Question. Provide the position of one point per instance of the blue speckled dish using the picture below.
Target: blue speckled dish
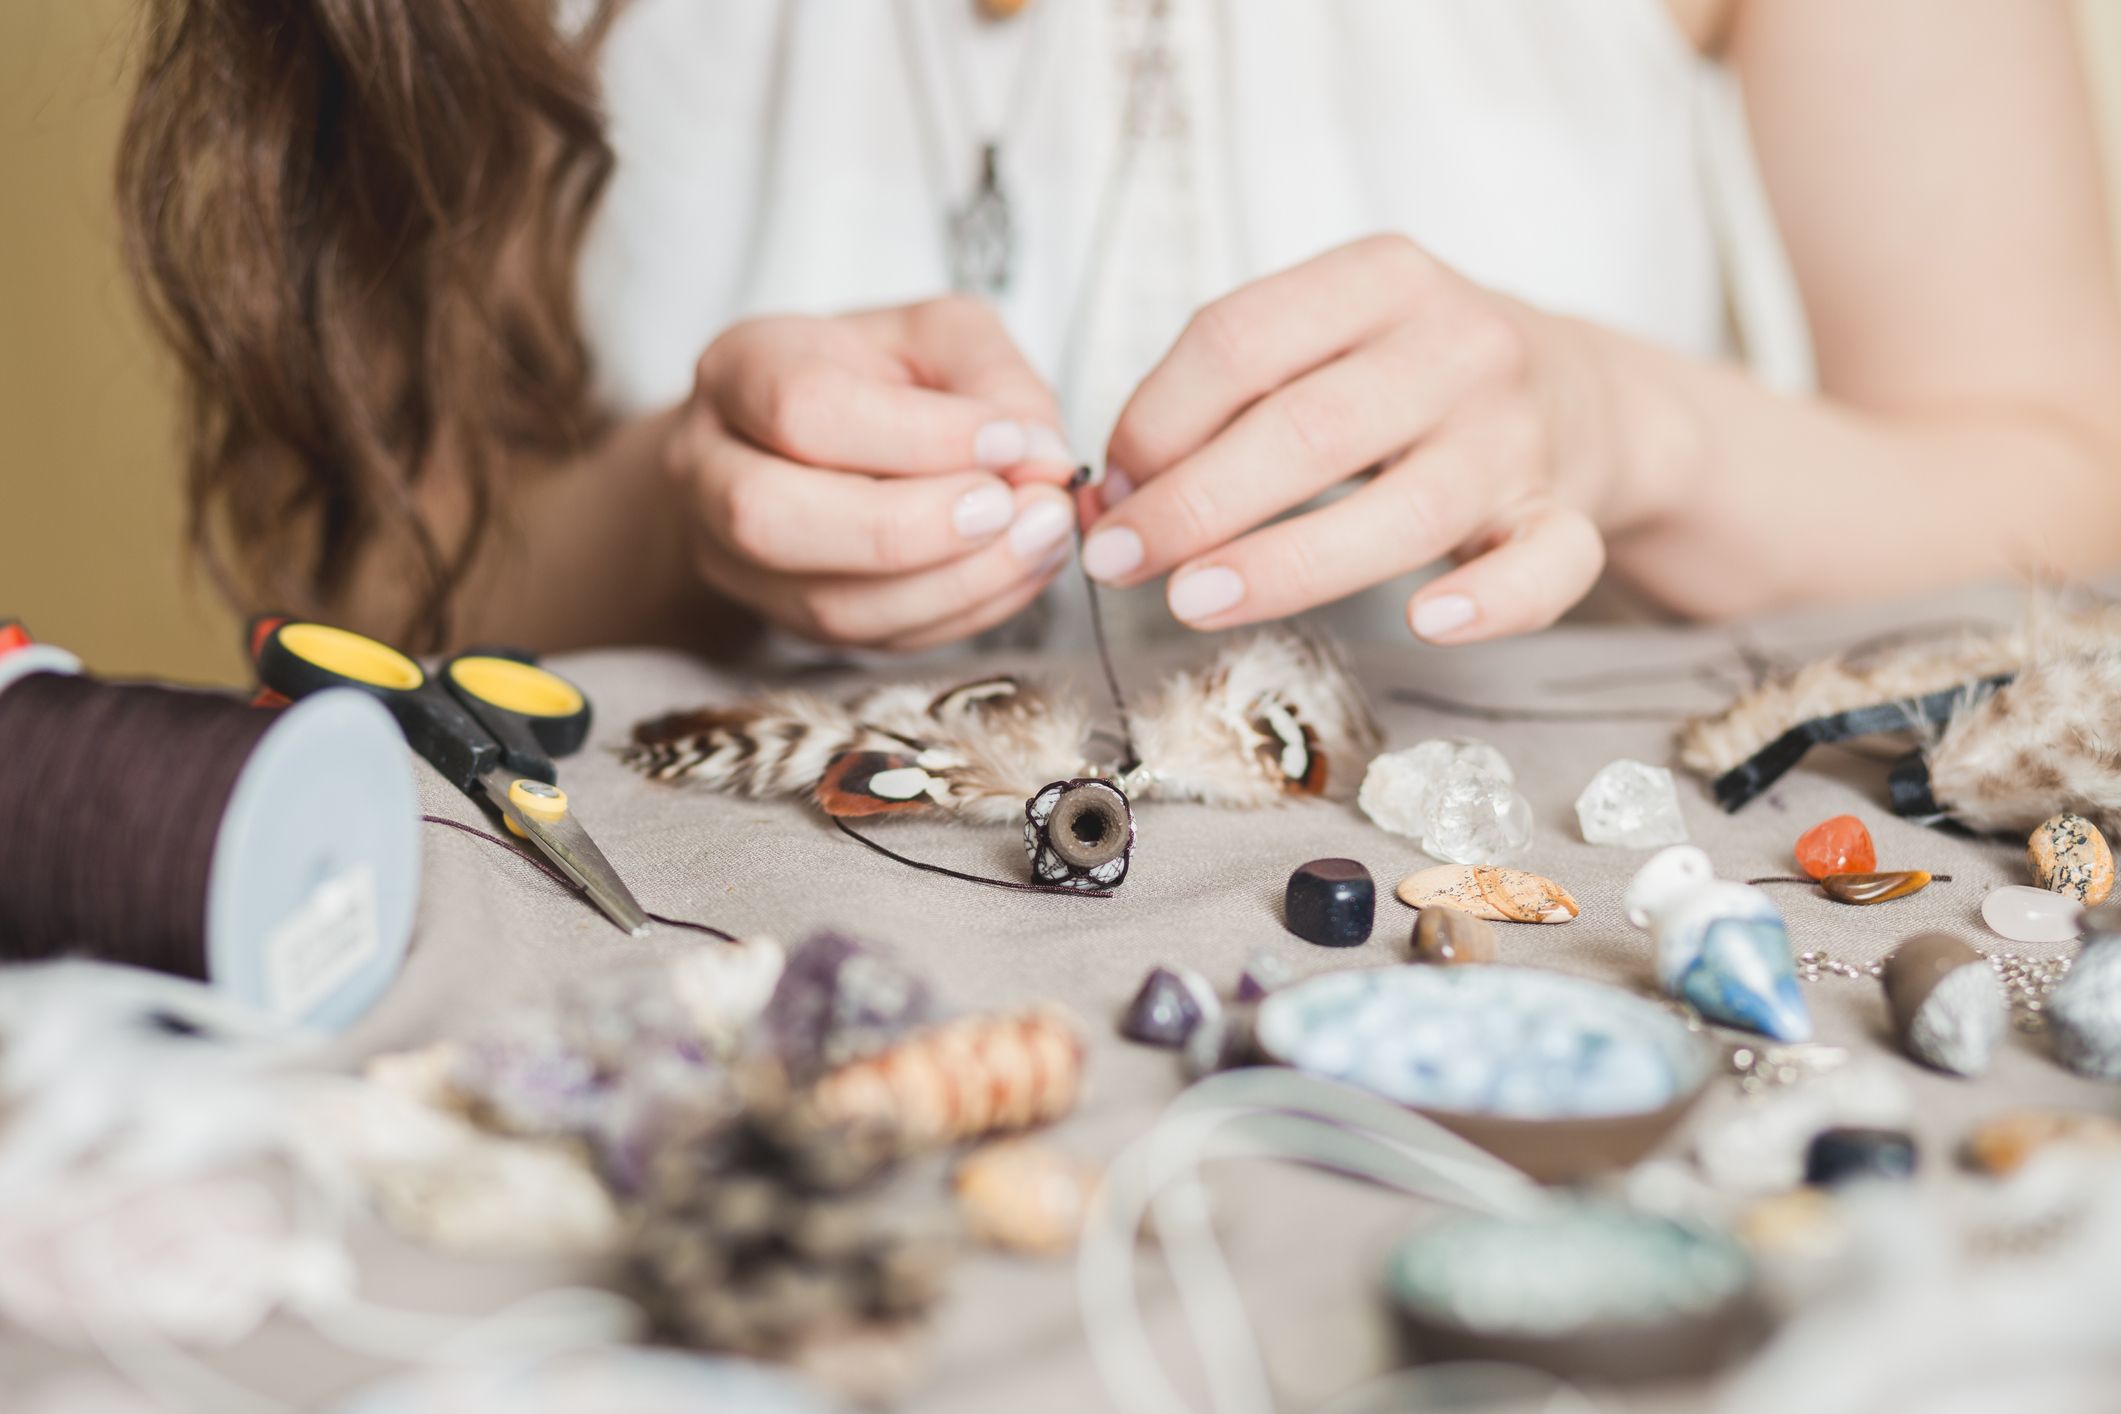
(1558, 1075)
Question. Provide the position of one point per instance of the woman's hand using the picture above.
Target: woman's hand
(845, 474)
(1491, 427)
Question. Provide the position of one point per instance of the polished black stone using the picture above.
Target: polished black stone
(1331, 902)
(1165, 1012)
(1839, 1156)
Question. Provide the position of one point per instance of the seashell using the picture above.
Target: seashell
(967, 1078)
(2069, 856)
(1874, 888)
(1485, 891)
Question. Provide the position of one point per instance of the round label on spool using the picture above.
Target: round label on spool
(316, 866)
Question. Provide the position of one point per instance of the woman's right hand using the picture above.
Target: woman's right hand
(846, 474)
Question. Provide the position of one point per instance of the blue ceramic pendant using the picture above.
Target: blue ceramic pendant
(1743, 977)
(1721, 946)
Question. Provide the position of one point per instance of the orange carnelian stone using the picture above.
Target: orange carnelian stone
(1837, 846)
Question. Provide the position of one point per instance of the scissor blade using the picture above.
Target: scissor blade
(576, 855)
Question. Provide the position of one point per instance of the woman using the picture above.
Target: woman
(1470, 266)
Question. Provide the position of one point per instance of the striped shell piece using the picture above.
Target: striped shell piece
(975, 1076)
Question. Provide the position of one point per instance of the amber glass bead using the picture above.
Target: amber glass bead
(1837, 846)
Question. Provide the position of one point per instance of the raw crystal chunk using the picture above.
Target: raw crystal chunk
(1476, 817)
(1264, 972)
(2084, 1013)
(1837, 846)
(1633, 805)
(1167, 1008)
(1395, 790)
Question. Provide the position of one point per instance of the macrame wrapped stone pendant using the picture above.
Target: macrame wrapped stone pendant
(1079, 834)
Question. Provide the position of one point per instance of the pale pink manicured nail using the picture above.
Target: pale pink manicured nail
(1043, 444)
(1039, 527)
(981, 513)
(999, 444)
(1059, 556)
(1116, 487)
(1112, 553)
(1446, 613)
(1204, 593)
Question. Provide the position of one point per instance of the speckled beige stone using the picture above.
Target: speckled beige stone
(2069, 855)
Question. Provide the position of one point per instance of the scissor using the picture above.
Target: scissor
(491, 723)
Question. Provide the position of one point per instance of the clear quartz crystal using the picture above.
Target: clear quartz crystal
(1632, 805)
(1475, 816)
(1397, 789)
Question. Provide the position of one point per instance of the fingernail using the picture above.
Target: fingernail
(1112, 553)
(1039, 527)
(1000, 443)
(980, 513)
(1446, 613)
(1204, 593)
(1116, 487)
(1060, 556)
(1043, 444)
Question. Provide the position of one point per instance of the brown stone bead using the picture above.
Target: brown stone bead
(2069, 855)
(1446, 935)
(1875, 888)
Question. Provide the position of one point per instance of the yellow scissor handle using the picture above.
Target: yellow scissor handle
(537, 801)
(351, 655)
(517, 687)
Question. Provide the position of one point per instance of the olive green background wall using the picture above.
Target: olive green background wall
(90, 514)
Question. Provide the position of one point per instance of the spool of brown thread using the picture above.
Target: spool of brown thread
(271, 854)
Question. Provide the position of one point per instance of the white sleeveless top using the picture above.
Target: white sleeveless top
(799, 155)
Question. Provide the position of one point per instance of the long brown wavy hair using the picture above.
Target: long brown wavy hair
(355, 221)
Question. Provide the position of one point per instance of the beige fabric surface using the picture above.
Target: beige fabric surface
(1205, 892)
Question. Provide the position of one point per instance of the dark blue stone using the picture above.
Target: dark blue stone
(1331, 902)
(1842, 1155)
(1165, 1012)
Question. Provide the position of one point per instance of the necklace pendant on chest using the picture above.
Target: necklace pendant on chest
(982, 233)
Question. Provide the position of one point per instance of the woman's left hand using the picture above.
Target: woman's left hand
(1491, 426)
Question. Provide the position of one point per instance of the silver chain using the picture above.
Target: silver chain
(2026, 980)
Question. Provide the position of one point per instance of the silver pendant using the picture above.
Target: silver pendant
(982, 235)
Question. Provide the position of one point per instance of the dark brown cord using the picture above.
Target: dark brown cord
(1078, 482)
(1802, 879)
(109, 799)
(992, 883)
(566, 883)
